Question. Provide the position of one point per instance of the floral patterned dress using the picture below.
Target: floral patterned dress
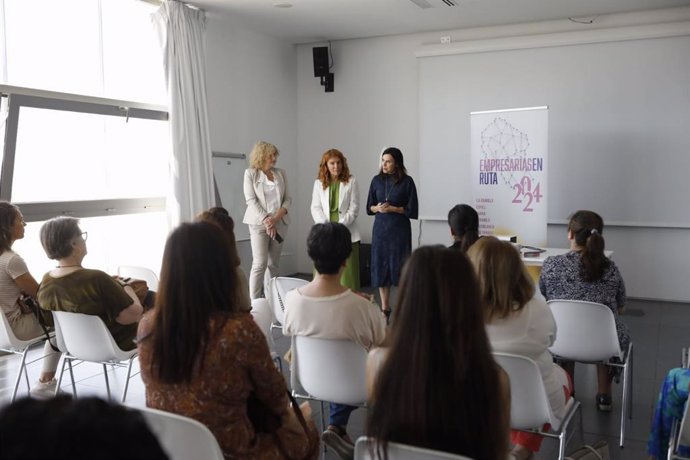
(237, 364)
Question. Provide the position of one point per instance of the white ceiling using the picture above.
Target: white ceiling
(320, 20)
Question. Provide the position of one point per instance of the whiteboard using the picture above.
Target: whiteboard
(618, 125)
(228, 175)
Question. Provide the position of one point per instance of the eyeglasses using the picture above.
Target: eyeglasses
(84, 235)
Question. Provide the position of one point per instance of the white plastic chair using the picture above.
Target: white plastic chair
(261, 312)
(11, 344)
(181, 437)
(328, 370)
(141, 273)
(86, 338)
(365, 446)
(587, 334)
(529, 404)
(278, 287)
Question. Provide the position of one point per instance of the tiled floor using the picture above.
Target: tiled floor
(659, 330)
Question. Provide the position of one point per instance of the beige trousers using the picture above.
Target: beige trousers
(26, 327)
(265, 254)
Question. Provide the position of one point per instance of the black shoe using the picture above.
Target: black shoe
(604, 402)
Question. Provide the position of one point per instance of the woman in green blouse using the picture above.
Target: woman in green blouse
(335, 198)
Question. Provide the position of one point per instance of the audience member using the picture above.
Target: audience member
(73, 429)
(15, 282)
(519, 322)
(585, 273)
(463, 221)
(70, 287)
(435, 384)
(202, 355)
(326, 309)
(669, 407)
(221, 217)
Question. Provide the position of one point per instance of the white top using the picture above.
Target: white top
(271, 194)
(12, 266)
(343, 316)
(530, 332)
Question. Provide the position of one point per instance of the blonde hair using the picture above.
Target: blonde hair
(260, 152)
(504, 284)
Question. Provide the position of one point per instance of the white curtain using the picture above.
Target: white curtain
(181, 31)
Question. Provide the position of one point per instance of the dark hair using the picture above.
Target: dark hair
(8, 214)
(463, 221)
(221, 217)
(65, 428)
(57, 235)
(400, 170)
(198, 280)
(587, 228)
(329, 245)
(439, 386)
(504, 284)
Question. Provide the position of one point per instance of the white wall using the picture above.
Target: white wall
(252, 95)
(375, 104)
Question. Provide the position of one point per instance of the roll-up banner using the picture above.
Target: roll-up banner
(509, 150)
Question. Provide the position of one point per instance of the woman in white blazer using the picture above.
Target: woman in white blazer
(335, 198)
(268, 201)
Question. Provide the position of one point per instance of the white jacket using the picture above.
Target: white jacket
(348, 205)
(256, 201)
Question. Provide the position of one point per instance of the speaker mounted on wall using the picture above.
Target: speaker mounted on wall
(322, 67)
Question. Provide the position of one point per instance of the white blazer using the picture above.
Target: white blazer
(348, 205)
(255, 199)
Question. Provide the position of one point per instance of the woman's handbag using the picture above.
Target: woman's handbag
(597, 451)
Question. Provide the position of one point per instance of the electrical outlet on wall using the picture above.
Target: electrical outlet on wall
(445, 39)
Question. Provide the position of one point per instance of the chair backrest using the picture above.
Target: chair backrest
(366, 446)
(586, 331)
(277, 289)
(329, 370)
(261, 312)
(86, 337)
(529, 404)
(182, 437)
(141, 273)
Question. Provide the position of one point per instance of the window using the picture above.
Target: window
(86, 136)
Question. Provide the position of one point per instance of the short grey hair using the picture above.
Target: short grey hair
(57, 235)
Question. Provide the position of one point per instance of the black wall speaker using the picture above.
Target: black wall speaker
(320, 61)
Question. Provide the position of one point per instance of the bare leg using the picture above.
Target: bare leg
(385, 293)
(604, 378)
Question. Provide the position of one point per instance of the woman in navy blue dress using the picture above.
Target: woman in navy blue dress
(393, 200)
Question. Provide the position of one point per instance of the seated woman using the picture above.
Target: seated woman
(585, 273)
(518, 322)
(70, 287)
(202, 355)
(435, 384)
(463, 221)
(326, 309)
(15, 281)
(221, 217)
(670, 405)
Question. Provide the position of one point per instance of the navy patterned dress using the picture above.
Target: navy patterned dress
(391, 240)
(560, 279)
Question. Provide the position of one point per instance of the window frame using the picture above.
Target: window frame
(18, 97)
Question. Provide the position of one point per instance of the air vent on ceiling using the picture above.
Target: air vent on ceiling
(424, 4)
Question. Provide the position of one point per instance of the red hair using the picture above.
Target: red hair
(325, 176)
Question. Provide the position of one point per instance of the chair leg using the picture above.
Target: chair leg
(561, 445)
(129, 372)
(107, 383)
(582, 429)
(630, 396)
(323, 426)
(26, 377)
(71, 375)
(625, 402)
(22, 368)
